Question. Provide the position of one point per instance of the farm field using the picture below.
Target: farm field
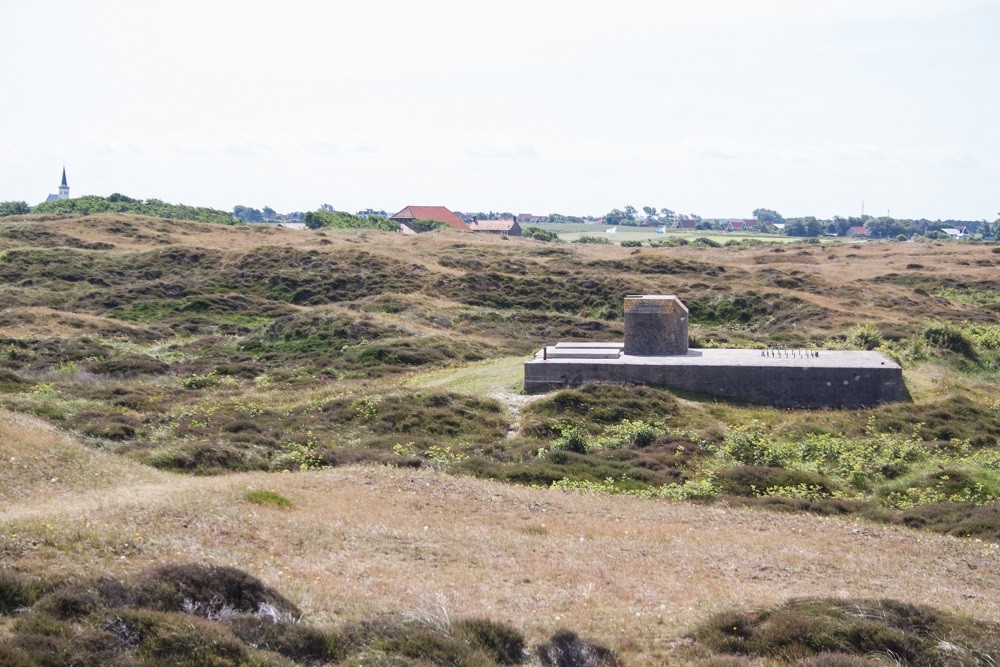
(569, 231)
(339, 415)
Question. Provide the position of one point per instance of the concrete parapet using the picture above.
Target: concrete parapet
(834, 378)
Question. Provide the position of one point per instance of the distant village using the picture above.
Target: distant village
(413, 219)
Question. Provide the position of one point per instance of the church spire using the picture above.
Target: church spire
(64, 187)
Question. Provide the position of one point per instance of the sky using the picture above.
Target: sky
(716, 107)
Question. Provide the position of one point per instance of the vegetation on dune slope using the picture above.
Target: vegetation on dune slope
(211, 615)
(119, 203)
(847, 633)
(221, 615)
(203, 349)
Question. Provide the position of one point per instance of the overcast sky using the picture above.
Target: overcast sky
(714, 107)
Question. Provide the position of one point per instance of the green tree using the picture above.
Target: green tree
(808, 226)
(650, 211)
(14, 208)
(886, 227)
(247, 214)
(668, 215)
(767, 215)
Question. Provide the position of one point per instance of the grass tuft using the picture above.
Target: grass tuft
(264, 497)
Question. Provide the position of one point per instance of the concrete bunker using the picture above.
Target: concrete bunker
(655, 352)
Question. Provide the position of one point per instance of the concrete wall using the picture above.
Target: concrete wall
(798, 384)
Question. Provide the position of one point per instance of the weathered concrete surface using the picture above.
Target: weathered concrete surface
(656, 325)
(835, 378)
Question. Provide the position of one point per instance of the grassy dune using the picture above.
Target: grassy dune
(175, 392)
(637, 574)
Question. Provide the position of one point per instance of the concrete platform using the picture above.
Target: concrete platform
(786, 378)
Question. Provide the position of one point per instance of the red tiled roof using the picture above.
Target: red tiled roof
(439, 213)
(858, 231)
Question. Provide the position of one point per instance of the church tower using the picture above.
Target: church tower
(63, 191)
(63, 187)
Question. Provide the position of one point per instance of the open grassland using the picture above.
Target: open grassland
(638, 575)
(138, 355)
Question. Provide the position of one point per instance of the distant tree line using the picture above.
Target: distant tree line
(326, 217)
(651, 215)
(119, 203)
(14, 208)
(883, 227)
(267, 214)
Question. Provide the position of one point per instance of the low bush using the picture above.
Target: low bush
(297, 641)
(599, 405)
(865, 337)
(208, 590)
(195, 614)
(423, 413)
(15, 592)
(706, 242)
(567, 649)
(759, 480)
(589, 238)
(947, 336)
(539, 234)
(807, 629)
(958, 519)
(502, 643)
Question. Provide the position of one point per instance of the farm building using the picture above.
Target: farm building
(501, 227)
(436, 213)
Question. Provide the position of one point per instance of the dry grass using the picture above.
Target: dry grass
(633, 574)
(38, 463)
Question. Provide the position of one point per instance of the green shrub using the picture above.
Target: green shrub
(573, 438)
(947, 336)
(539, 234)
(421, 226)
(865, 337)
(707, 242)
(629, 433)
(589, 238)
(631, 244)
(757, 480)
(750, 445)
(599, 405)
